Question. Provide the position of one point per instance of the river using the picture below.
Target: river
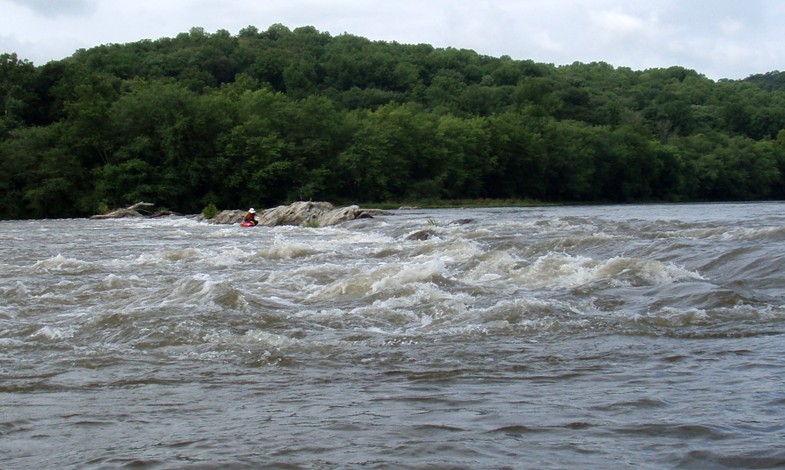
(640, 336)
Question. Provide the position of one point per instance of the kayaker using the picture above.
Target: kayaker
(251, 216)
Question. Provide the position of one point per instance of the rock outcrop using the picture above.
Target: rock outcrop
(421, 235)
(132, 211)
(118, 214)
(309, 213)
(226, 217)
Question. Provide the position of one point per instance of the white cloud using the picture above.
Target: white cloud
(544, 41)
(719, 38)
(49, 8)
(617, 22)
(731, 26)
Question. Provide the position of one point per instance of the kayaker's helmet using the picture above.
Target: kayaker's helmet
(252, 210)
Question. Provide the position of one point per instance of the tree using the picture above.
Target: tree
(41, 179)
(390, 151)
(265, 117)
(463, 157)
(171, 130)
(17, 99)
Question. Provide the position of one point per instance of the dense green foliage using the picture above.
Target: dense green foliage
(268, 117)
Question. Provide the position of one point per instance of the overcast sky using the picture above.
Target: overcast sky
(718, 38)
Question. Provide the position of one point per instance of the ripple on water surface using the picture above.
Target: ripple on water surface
(647, 336)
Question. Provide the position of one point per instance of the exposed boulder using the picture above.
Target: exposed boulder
(165, 214)
(226, 217)
(138, 206)
(421, 235)
(118, 214)
(337, 216)
(132, 211)
(298, 213)
(317, 214)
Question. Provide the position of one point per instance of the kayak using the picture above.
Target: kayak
(247, 224)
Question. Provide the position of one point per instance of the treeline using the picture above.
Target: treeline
(267, 117)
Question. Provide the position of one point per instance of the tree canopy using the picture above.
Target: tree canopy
(267, 117)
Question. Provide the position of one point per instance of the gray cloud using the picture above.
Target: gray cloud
(53, 9)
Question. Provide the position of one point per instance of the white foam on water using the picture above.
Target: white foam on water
(7, 312)
(357, 283)
(10, 342)
(63, 265)
(231, 231)
(115, 282)
(350, 236)
(407, 274)
(182, 254)
(556, 269)
(697, 233)
(672, 317)
(565, 270)
(676, 317)
(268, 339)
(228, 257)
(185, 255)
(181, 221)
(176, 235)
(289, 251)
(757, 234)
(158, 223)
(365, 280)
(626, 272)
(53, 333)
(427, 304)
(297, 242)
(168, 256)
(446, 315)
(558, 226)
(202, 291)
(491, 269)
(530, 315)
(18, 290)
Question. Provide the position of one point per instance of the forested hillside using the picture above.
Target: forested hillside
(267, 117)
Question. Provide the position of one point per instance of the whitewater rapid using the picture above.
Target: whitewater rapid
(545, 337)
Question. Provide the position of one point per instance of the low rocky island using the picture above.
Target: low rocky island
(309, 213)
(315, 214)
(140, 209)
